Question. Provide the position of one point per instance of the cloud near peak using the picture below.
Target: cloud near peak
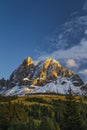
(71, 63)
(78, 52)
(84, 72)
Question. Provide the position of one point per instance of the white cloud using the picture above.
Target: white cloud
(84, 72)
(71, 63)
(64, 37)
(85, 32)
(78, 52)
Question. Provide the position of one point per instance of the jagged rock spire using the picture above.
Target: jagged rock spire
(28, 61)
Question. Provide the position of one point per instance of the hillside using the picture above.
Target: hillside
(43, 112)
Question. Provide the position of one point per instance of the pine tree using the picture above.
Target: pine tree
(48, 124)
(72, 120)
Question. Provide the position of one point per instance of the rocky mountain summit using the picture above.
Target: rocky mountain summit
(41, 77)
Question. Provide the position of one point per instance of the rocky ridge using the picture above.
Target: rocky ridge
(45, 76)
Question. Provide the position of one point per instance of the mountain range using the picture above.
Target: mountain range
(44, 76)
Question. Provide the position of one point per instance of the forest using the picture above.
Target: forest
(41, 112)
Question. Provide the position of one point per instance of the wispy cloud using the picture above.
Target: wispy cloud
(71, 63)
(68, 34)
(68, 44)
(78, 52)
(84, 72)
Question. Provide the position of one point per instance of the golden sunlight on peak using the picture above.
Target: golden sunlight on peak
(29, 61)
(56, 62)
(53, 61)
(47, 63)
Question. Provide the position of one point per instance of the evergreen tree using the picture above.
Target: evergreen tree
(48, 124)
(72, 120)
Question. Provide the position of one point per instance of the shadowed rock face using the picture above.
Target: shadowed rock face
(26, 69)
(2, 82)
(77, 80)
(42, 73)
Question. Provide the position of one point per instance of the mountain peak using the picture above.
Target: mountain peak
(46, 76)
(28, 61)
(51, 61)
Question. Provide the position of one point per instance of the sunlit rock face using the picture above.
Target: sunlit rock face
(41, 73)
(28, 61)
(45, 76)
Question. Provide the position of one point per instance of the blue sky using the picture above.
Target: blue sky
(26, 24)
